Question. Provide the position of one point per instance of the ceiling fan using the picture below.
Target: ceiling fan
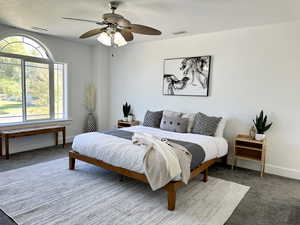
(118, 30)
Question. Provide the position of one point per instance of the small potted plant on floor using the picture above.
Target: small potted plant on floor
(261, 126)
(126, 111)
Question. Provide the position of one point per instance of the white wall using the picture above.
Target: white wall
(100, 66)
(79, 59)
(252, 69)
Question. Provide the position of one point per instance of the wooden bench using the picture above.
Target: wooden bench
(6, 135)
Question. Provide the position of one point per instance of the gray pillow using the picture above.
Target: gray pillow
(174, 124)
(152, 119)
(205, 125)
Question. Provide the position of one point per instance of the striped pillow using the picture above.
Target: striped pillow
(152, 119)
(205, 125)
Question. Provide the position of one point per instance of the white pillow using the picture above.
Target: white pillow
(220, 128)
(191, 117)
(168, 113)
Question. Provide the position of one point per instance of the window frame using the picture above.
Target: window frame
(50, 62)
(46, 51)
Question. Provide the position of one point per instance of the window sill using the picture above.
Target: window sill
(34, 123)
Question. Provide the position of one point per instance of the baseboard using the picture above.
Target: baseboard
(282, 171)
(271, 169)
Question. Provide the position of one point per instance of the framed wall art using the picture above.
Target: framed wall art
(187, 76)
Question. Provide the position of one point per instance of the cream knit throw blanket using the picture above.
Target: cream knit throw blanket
(163, 160)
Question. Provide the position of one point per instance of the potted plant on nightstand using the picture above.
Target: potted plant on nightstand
(126, 111)
(261, 126)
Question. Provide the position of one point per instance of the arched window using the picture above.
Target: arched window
(32, 87)
(22, 45)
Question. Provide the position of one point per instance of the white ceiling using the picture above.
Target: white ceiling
(193, 16)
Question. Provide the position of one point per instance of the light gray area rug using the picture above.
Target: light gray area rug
(48, 193)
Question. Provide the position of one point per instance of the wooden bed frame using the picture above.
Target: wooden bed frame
(170, 187)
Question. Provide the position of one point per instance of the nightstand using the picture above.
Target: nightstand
(122, 123)
(247, 148)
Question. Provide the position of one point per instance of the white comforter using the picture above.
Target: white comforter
(122, 153)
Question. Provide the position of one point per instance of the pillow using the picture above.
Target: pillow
(191, 117)
(171, 113)
(174, 124)
(221, 127)
(152, 119)
(205, 125)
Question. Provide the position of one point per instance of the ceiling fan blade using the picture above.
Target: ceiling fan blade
(92, 32)
(82, 20)
(141, 29)
(128, 36)
(123, 22)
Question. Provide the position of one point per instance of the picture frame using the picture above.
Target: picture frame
(187, 76)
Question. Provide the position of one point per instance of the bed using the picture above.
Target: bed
(127, 159)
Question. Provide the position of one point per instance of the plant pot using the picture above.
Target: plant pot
(260, 137)
(130, 118)
(91, 124)
(125, 119)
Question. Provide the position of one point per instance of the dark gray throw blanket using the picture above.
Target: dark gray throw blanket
(198, 154)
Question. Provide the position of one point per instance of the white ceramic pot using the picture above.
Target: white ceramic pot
(125, 119)
(130, 118)
(259, 137)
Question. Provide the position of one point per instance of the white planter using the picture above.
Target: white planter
(260, 137)
(130, 118)
(125, 119)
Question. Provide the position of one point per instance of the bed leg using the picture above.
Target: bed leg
(171, 200)
(224, 160)
(71, 163)
(205, 175)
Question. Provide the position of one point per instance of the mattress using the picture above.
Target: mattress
(122, 153)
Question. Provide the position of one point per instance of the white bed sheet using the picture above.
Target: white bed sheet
(122, 153)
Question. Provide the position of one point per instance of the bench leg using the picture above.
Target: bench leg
(205, 175)
(56, 138)
(6, 148)
(64, 137)
(71, 163)
(171, 200)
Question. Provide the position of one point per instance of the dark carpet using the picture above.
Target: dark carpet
(271, 200)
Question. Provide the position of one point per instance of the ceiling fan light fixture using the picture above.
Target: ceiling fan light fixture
(105, 39)
(114, 39)
(119, 40)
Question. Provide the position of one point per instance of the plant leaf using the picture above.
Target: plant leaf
(267, 127)
(264, 121)
(261, 115)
